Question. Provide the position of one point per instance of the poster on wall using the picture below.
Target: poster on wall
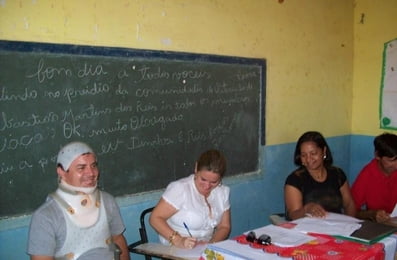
(388, 97)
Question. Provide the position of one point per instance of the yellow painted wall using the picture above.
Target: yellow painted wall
(308, 45)
(375, 22)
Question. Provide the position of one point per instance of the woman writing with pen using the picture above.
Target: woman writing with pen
(195, 209)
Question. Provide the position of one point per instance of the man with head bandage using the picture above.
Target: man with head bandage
(77, 221)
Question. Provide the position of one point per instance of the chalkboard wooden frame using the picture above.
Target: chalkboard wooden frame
(23, 198)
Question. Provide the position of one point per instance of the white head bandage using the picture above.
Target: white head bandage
(70, 152)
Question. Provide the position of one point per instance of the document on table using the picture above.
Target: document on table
(232, 250)
(332, 224)
(394, 213)
(284, 237)
(336, 217)
(393, 217)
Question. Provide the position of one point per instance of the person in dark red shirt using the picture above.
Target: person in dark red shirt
(375, 188)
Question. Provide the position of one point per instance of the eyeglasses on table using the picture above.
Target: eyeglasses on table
(261, 240)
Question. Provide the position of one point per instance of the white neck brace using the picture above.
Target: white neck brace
(73, 189)
(83, 201)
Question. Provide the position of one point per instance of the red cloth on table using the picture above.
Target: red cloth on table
(324, 247)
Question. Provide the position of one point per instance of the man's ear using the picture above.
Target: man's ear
(376, 155)
(60, 172)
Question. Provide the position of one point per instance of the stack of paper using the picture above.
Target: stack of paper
(231, 250)
(332, 224)
(346, 227)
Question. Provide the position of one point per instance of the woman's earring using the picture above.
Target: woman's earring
(325, 156)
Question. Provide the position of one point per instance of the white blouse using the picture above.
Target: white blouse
(193, 210)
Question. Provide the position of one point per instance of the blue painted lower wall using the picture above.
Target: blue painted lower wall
(253, 197)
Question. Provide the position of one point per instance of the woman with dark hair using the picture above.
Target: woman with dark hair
(316, 186)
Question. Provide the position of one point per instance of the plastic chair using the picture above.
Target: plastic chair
(142, 233)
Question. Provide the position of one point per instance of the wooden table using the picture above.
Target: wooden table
(169, 252)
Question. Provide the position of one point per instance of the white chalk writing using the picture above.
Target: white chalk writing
(138, 115)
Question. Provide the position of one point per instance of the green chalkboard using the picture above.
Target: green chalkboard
(147, 114)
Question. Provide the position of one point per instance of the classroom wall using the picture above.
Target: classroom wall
(312, 79)
(374, 25)
(308, 45)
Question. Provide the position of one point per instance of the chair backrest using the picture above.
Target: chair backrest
(142, 232)
(142, 229)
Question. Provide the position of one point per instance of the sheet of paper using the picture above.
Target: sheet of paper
(283, 236)
(232, 250)
(394, 213)
(341, 218)
(332, 224)
(389, 86)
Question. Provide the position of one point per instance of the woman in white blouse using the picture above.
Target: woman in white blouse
(195, 209)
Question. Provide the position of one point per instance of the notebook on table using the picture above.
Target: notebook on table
(371, 232)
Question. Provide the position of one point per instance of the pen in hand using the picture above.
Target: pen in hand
(187, 229)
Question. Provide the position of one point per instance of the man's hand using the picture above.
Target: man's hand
(382, 216)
